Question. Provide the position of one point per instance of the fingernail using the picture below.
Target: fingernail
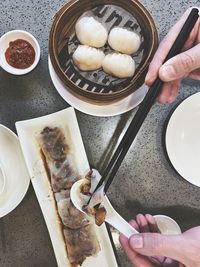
(167, 72)
(136, 241)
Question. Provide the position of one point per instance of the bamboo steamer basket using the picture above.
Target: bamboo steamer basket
(96, 86)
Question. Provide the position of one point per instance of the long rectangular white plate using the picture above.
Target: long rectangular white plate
(28, 132)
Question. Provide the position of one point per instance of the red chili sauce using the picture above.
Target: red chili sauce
(20, 54)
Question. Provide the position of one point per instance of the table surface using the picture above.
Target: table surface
(145, 181)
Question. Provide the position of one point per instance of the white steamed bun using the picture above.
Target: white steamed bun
(88, 58)
(119, 65)
(124, 41)
(91, 32)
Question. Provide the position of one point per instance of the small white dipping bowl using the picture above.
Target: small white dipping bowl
(4, 44)
(167, 225)
(2, 180)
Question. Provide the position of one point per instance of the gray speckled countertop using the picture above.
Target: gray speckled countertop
(144, 183)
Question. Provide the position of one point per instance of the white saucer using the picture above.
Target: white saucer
(183, 139)
(116, 108)
(17, 177)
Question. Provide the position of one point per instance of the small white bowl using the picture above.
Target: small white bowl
(2, 179)
(4, 44)
(167, 225)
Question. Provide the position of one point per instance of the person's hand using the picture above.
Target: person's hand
(145, 224)
(184, 248)
(186, 64)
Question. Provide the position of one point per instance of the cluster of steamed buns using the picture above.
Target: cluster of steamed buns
(92, 35)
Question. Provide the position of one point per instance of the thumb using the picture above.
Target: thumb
(181, 65)
(153, 244)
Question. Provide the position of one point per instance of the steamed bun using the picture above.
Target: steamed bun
(88, 58)
(124, 41)
(91, 32)
(119, 65)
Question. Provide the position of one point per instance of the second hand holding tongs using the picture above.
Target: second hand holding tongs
(142, 111)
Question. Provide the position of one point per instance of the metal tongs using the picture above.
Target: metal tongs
(140, 115)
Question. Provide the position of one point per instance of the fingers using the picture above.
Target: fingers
(193, 37)
(151, 244)
(142, 223)
(181, 65)
(178, 67)
(169, 92)
(170, 263)
(195, 74)
(152, 223)
(134, 257)
(145, 223)
(164, 48)
(134, 224)
(141, 245)
(166, 44)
